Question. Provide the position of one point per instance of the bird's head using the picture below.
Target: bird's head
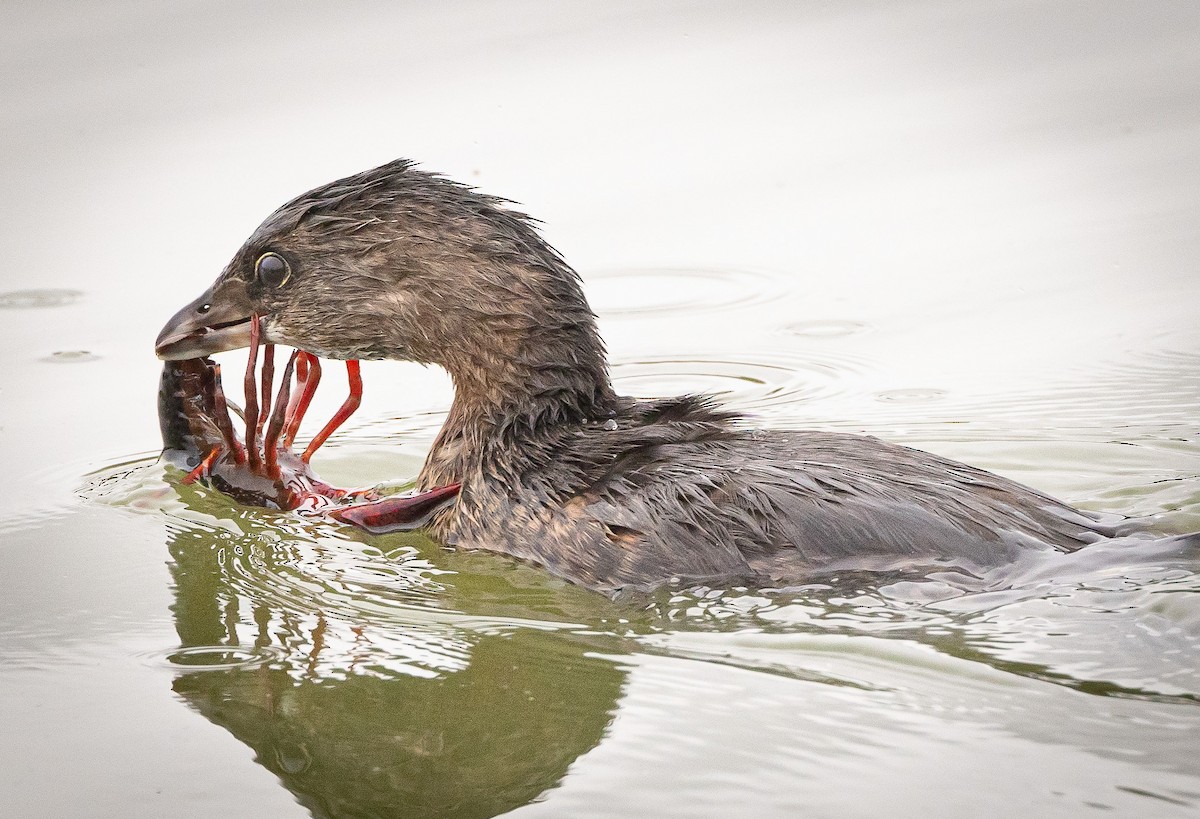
(397, 263)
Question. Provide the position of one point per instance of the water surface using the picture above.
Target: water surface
(967, 227)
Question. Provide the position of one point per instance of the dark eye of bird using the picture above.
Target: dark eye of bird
(272, 269)
(204, 308)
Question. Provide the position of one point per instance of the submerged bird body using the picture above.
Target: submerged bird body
(557, 469)
(677, 491)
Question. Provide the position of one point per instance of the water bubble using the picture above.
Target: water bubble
(33, 299)
(826, 328)
(911, 395)
(71, 357)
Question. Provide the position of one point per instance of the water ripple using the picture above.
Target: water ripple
(1114, 619)
(1153, 395)
(826, 328)
(36, 299)
(70, 357)
(303, 595)
(764, 383)
(217, 658)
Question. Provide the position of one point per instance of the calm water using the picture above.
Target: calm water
(968, 227)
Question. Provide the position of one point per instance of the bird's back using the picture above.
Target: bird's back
(679, 490)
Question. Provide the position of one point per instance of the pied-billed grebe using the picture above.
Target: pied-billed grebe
(555, 467)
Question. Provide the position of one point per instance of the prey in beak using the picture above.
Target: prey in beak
(219, 320)
(260, 468)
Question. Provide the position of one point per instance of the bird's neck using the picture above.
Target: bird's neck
(510, 398)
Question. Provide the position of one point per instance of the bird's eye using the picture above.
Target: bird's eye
(272, 270)
(204, 308)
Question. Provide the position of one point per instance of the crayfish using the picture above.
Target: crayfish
(261, 468)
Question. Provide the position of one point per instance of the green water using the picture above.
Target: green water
(967, 227)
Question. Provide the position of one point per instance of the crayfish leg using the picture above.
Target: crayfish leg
(275, 427)
(308, 374)
(319, 487)
(250, 385)
(205, 467)
(347, 409)
(268, 377)
(221, 416)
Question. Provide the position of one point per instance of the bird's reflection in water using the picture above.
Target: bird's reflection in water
(400, 711)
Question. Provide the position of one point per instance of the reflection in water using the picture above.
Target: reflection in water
(387, 676)
(364, 706)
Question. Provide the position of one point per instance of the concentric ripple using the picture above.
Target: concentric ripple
(643, 291)
(301, 595)
(221, 658)
(764, 383)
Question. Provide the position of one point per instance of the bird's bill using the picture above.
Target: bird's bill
(219, 320)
